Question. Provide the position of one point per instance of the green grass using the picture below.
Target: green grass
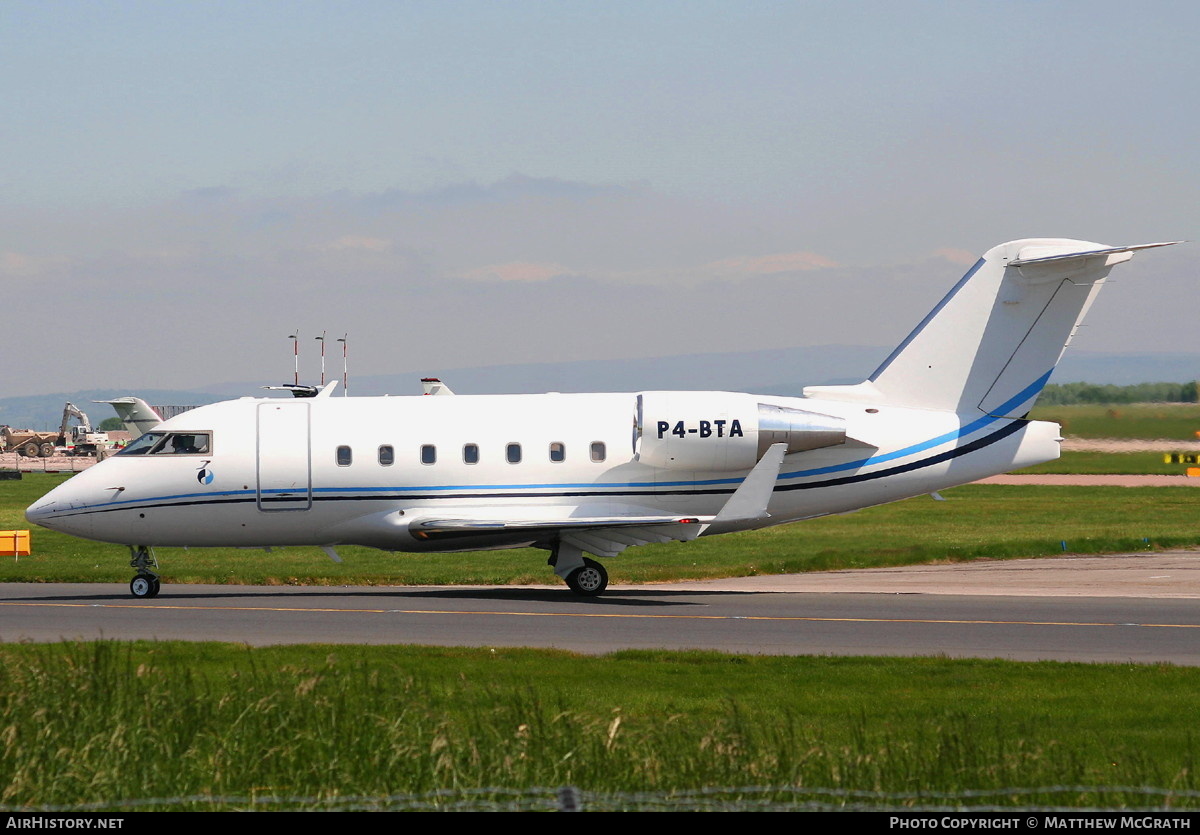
(975, 521)
(117, 724)
(120, 724)
(1178, 421)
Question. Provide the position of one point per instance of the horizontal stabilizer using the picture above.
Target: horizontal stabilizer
(1033, 258)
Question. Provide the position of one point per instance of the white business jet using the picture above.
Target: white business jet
(598, 473)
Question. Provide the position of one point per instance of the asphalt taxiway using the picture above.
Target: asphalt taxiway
(1140, 608)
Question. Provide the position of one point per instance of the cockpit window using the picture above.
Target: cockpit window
(143, 444)
(170, 443)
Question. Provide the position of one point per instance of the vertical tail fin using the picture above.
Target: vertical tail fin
(991, 344)
(138, 416)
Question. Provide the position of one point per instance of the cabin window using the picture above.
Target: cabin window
(512, 453)
(170, 443)
(344, 456)
(387, 455)
(428, 454)
(558, 452)
(471, 453)
(598, 452)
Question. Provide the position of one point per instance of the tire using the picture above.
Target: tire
(144, 586)
(47, 450)
(590, 580)
(30, 450)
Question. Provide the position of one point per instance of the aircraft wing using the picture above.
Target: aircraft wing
(609, 535)
(604, 536)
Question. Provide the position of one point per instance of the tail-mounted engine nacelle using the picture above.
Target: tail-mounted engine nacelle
(723, 430)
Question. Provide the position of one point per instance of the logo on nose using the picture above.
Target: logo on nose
(204, 475)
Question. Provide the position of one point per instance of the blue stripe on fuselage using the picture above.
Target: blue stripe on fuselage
(600, 488)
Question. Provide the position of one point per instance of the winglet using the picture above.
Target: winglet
(749, 502)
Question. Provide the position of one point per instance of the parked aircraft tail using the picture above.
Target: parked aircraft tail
(138, 416)
(991, 344)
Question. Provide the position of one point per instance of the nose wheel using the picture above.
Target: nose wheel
(145, 584)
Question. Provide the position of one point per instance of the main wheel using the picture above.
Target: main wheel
(144, 586)
(47, 450)
(30, 450)
(589, 580)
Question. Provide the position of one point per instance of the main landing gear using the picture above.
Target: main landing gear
(584, 575)
(590, 580)
(145, 583)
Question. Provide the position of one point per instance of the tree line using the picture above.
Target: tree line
(1068, 394)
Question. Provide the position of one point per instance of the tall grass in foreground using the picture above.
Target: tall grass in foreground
(119, 724)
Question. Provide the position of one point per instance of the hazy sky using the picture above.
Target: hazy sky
(182, 185)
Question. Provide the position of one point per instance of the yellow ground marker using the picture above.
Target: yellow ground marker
(14, 544)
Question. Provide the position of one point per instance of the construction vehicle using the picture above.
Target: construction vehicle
(69, 440)
(81, 439)
(27, 442)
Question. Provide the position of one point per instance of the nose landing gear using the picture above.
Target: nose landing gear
(145, 584)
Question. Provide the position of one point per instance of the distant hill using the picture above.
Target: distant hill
(768, 372)
(783, 371)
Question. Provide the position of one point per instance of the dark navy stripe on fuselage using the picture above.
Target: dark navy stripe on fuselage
(407, 494)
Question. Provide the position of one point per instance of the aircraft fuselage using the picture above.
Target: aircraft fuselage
(598, 473)
(361, 470)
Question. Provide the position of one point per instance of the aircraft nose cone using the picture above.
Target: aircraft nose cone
(40, 511)
(53, 513)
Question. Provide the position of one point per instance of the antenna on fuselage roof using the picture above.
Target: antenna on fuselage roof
(295, 337)
(345, 340)
(295, 387)
(321, 339)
